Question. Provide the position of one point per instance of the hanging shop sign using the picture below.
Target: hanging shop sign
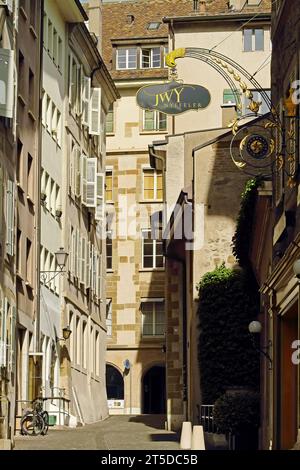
(173, 97)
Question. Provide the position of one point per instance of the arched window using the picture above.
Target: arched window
(114, 384)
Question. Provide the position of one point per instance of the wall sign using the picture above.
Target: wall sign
(173, 97)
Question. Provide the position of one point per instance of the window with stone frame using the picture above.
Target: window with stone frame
(153, 317)
(109, 317)
(152, 251)
(253, 39)
(150, 57)
(110, 120)
(154, 121)
(126, 58)
(152, 185)
(109, 250)
(108, 185)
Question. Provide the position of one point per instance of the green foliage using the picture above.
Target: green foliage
(242, 237)
(227, 303)
(237, 411)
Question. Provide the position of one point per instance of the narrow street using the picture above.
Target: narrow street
(115, 433)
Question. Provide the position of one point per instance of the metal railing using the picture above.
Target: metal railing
(61, 410)
(206, 418)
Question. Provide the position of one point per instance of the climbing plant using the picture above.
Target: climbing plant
(242, 237)
(227, 303)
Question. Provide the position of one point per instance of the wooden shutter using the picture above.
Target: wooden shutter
(92, 251)
(74, 247)
(83, 172)
(91, 192)
(13, 322)
(71, 168)
(95, 112)
(10, 210)
(86, 96)
(78, 254)
(71, 84)
(100, 208)
(88, 266)
(83, 261)
(77, 172)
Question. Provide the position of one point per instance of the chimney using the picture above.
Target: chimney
(94, 11)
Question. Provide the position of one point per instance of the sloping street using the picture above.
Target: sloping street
(115, 433)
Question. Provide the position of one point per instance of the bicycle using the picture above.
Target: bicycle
(36, 421)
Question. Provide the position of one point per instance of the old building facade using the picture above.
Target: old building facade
(276, 245)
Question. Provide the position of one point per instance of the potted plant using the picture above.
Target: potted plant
(237, 412)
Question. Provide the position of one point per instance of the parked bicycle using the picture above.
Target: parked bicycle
(36, 421)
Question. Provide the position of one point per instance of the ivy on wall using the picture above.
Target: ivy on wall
(241, 239)
(226, 357)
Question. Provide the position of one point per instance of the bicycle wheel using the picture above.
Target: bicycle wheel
(32, 424)
(45, 417)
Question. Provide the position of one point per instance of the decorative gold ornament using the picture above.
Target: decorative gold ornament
(254, 106)
(289, 105)
(243, 86)
(173, 55)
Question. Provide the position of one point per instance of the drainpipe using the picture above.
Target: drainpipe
(163, 163)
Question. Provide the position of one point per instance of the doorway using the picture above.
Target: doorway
(154, 391)
(288, 380)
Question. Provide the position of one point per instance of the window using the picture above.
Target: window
(60, 53)
(109, 250)
(110, 120)
(154, 121)
(109, 185)
(127, 58)
(84, 344)
(152, 251)
(264, 108)
(30, 176)
(97, 353)
(153, 25)
(253, 40)
(31, 91)
(152, 184)
(150, 58)
(109, 316)
(153, 318)
(21, 74)
(50, 37)
(28, 261)
(32, 14)
(78, 341)
(19, 251)
(19, 168)
(228, 97)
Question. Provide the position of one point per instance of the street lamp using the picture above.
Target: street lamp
(66, 334)
(61, 257)
(255, 328)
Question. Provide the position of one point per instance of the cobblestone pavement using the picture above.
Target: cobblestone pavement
(115, 433)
